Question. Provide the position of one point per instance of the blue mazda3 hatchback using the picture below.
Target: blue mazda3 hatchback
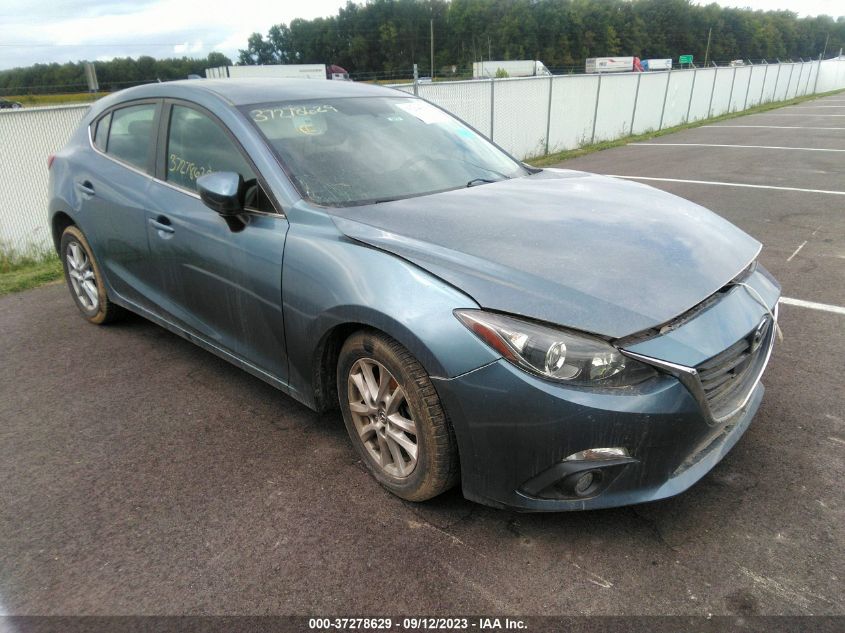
(552, 339)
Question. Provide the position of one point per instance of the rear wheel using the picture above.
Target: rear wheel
(84, 278)
(394, 417)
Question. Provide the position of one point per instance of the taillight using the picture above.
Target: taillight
(50, 160)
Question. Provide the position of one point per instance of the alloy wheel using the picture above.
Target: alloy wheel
(82, 279)
(382, 417)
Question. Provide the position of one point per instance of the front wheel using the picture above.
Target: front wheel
(84, 278)
(394, 417)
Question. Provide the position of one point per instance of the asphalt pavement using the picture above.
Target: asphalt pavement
(142, 475)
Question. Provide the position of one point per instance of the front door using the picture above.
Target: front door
(219, 281)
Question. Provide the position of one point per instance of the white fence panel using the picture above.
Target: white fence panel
(650, 102)
(521, 110)
(27, 137)
(468, 100)
(739, 88)
(812, 69)
(754, 92)
(721, 91)
(770, 82)
(677, 97)
(699, 107)
(831, 75)
(573, 108)
(794, 80)
(800, 82)
(404, 87)
(616, 106)
(784, 75)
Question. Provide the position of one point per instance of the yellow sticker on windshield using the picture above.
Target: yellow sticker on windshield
(312, 126)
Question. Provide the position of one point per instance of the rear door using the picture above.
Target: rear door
(111, 191)
(221, 280)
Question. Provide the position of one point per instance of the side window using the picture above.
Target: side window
(197, 145)
(101, 136)
(131, 133)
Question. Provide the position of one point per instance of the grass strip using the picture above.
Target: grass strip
(22, 272)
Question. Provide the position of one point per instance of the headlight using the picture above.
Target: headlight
(564, 356)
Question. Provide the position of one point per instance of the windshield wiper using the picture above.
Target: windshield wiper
(380, 200)
(478, 181)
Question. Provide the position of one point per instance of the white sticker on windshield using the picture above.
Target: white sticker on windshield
(425, 112)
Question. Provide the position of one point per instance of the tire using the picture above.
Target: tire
(379, 426)
(85, 279)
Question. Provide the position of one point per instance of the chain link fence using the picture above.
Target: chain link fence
(27, 137)
(528, 117)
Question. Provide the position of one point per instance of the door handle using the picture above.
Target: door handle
(162, 225)
(86, 187)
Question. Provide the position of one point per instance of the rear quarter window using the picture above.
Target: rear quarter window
(101, 134)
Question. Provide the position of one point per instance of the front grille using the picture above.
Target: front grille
(728, 378)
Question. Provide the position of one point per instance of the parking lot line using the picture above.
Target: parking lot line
(812, 305)
(730, 184)
(796, 251)
(803, 149)
(803, 114)
(775, 127)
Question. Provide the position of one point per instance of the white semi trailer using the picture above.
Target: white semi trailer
(513, 68)
(657, 64)
(288, 71)
(613, 65)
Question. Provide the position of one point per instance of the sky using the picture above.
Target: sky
(44, 31)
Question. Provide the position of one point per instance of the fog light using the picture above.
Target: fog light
(582, 475)
(584, 482)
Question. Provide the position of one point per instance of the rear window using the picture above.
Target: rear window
(130, 134)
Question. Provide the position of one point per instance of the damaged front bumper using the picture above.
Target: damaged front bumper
(522, 438)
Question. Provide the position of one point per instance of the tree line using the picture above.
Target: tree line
(386, 37)
(120, 72)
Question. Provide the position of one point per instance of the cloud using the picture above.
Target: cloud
(63, 30)
(189, 48)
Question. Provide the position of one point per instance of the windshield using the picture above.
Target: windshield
(359, 150)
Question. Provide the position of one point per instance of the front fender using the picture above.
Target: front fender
(330, 281)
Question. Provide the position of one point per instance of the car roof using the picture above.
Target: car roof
(260, 90)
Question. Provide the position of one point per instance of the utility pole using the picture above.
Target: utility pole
(489, 49)
(707, 50)
(826, 40)
(431, 24)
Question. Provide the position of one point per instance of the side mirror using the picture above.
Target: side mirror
(222, 191)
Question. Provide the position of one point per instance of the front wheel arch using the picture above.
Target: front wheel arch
(324, 358)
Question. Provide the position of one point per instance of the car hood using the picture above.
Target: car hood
(593, 253)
